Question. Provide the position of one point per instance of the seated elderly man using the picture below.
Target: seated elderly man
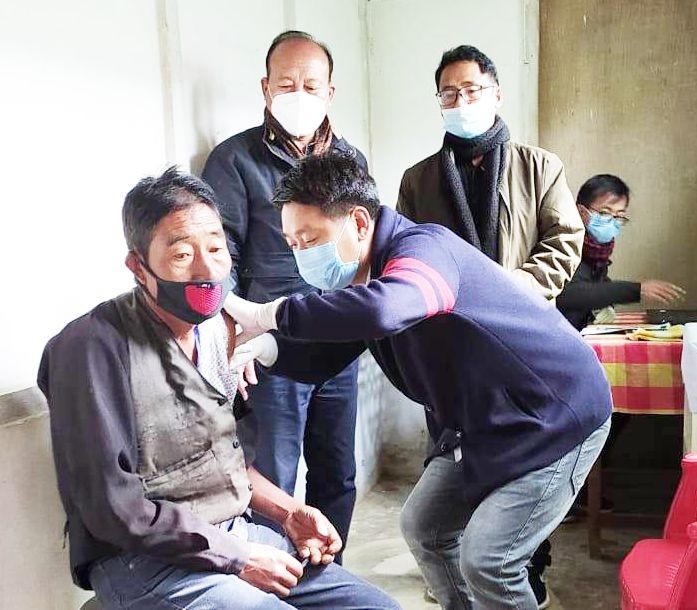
(152, 475)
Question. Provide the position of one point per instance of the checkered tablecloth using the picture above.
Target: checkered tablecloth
(645, 376)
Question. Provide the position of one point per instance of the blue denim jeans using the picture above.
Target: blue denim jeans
(474, 557)
(322, 419)
(139, 582)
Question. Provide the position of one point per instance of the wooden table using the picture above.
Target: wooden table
(646, 379)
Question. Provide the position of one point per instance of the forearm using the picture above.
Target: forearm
(313, 362)
(381, 308)
(594, 295)
(270, 500)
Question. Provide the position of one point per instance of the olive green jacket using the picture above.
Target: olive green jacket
(540, 230)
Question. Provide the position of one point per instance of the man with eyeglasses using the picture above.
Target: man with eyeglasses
(509, 200)
(602, 202)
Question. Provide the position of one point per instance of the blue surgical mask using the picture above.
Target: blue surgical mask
(322, 267)
(468, 120)
(603, 230)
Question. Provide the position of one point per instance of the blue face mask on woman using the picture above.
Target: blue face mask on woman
(322, 267)
(603, 228)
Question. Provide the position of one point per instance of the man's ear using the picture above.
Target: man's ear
(332, 90)
(135, 267)
(265, 91)
(499, 97)
(362, 217)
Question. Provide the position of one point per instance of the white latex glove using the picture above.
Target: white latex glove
(254, 318)
(263, 349)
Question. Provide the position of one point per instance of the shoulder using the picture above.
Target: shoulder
(342, 145)
(97, 331)
(423, 168)
(428, 240)
(533, 156)
(240, 145)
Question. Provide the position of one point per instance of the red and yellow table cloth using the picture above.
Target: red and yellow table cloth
(645, 376)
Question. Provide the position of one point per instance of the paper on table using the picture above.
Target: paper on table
(606, 329)
(689, 365)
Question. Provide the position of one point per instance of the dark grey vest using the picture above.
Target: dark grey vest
(188, 448)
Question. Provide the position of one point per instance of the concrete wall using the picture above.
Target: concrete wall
(618, 82)
(407, 39)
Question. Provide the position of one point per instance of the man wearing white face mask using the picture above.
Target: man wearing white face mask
(509, 200)
(243, 171)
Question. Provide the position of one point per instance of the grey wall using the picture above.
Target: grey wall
(618, 83)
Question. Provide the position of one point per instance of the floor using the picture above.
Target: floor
(377, 553)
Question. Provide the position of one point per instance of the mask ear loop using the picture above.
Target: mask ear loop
(360, 242)
(147, 268)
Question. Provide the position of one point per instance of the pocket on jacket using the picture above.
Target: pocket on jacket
(187, 478)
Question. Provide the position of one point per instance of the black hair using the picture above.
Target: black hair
(600, 185)
(298, 35)
(149, 201)
(334, 182)
(466, 53)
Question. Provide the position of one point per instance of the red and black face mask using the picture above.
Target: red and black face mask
(194, 301)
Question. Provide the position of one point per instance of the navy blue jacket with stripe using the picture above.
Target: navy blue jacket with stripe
(456, 333)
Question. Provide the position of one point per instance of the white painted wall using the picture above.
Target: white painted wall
(407, 39)
(221, 47)
(81, 121)
(97, 95)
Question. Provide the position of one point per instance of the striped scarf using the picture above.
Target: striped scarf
(320, 144)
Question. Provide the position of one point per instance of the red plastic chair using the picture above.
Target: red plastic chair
(661, 574)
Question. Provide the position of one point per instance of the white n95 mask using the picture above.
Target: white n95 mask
(300, 113)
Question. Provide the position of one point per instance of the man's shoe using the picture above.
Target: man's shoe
(539, 588)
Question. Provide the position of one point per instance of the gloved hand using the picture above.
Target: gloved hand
(254, 318)
(264, 349)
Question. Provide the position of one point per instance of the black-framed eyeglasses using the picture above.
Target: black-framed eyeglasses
(469, 93)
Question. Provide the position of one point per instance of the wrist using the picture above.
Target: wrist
(267, 314)
(289, 511)
(268, 350)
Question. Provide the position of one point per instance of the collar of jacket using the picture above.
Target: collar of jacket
(504, 187)
(387, 223)
(338, 145)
